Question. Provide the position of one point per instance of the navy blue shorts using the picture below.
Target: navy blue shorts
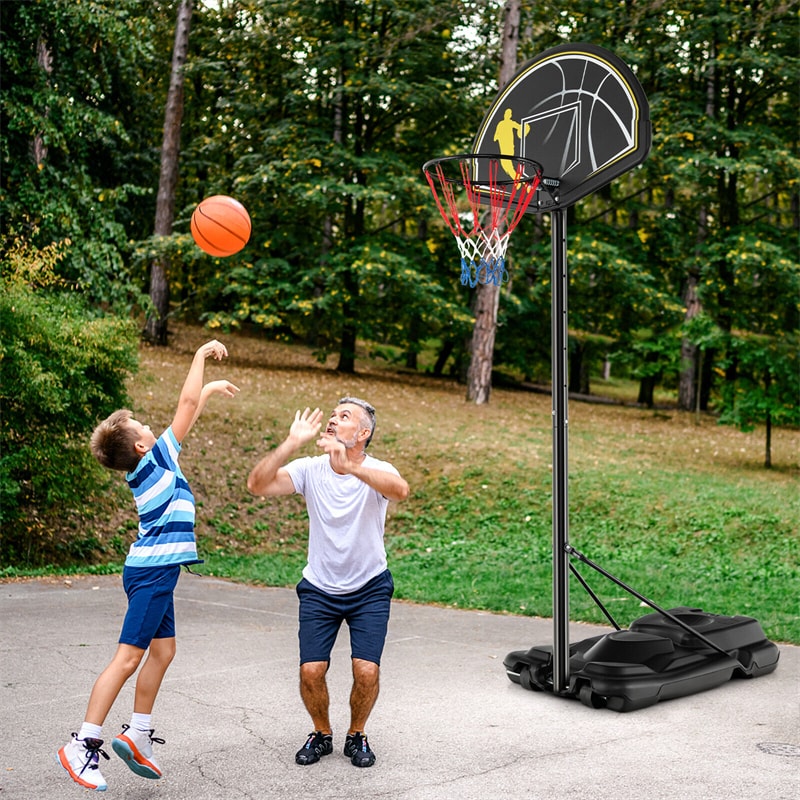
(366, 612)
(151, 610)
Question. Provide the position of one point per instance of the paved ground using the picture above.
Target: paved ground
(448, 724)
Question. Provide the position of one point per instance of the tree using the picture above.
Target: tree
(728, 155)
(156, 326)
(718, 194)
(766, 390)
(74, 93)
(327, 160)
(61, 370)
(487, 295)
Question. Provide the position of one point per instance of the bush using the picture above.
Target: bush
(62, 368)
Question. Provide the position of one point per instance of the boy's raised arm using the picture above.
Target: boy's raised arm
(194, 395)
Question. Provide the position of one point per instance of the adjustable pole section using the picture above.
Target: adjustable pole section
(560, 453)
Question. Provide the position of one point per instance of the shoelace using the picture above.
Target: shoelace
(93, 752)
(315, 742)
(363, 746)
(149, 734)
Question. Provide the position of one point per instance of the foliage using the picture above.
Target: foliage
(328, 163)
(74, 164)
(62, 369)
(318, 117)
(767, 383)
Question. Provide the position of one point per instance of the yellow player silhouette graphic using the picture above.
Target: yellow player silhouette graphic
(504, 134)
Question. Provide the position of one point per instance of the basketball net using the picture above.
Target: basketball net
(496, 205)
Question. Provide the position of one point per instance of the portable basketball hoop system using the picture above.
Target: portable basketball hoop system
(582, 114)
(482, 198)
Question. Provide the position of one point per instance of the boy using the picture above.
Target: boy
(166, 542)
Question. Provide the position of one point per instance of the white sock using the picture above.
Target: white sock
(89, 731)
(140, 722)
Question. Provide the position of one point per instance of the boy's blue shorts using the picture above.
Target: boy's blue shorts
(366, 612)
(151, 610)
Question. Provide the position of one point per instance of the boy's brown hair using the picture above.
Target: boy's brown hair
(113, 442)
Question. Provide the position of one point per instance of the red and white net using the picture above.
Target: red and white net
(482, 205)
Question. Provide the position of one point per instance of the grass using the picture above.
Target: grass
(673, 504)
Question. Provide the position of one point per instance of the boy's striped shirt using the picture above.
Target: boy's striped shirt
(166, 508)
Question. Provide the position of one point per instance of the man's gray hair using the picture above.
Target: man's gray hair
(367, 416)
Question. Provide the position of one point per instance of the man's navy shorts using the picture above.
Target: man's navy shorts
(366, 612)
(151, 610)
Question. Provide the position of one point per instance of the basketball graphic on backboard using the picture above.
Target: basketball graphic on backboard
(580, 112)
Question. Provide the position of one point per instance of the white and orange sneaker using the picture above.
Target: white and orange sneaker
(81, 759)
(135, 748)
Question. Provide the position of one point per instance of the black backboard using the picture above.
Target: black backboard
(580, 112)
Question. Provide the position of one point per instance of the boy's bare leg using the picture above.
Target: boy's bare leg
(314, 692)
(160, 656)
(110, 682)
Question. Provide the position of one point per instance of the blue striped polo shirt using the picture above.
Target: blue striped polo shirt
(166, 508)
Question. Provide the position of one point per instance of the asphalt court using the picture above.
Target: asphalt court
(448, 723)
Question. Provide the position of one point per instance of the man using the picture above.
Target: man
(347, 493)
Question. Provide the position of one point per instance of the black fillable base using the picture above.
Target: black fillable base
(655, 659)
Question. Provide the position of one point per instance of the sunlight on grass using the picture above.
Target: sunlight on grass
(676, 506)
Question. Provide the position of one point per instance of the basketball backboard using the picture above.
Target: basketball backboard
(580, 112)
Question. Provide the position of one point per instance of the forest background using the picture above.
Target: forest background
(684, 273)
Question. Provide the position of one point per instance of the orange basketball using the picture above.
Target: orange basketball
(220, 225)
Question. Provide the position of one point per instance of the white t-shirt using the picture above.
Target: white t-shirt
(346, 520)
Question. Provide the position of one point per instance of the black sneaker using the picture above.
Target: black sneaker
(356, 748)
(318, 744)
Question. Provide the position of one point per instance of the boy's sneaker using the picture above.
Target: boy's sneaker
(135, 748)
(81, 759)
(357, 749)
(317, 745)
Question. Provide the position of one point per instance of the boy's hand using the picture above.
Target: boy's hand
(225, 388)
(213, 348)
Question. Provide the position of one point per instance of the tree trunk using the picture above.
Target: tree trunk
(479, 373)
(44, 58)
(412, 351)
(444, 354)
(768, 442)
(487, 296)
(347, 347)
(768, 424)
(706, 378)
(415, 323)
(354, 226)
(156, 325)
(580, 364)
(315, 336)
(647, 387)
(687, 380)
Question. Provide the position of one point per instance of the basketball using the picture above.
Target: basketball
(220, 225)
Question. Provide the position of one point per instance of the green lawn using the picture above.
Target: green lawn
(674, 505)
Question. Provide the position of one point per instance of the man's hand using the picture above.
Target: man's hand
(305, 426)
(268, 478)
(337, 452)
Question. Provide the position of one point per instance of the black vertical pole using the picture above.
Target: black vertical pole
(560, 453)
